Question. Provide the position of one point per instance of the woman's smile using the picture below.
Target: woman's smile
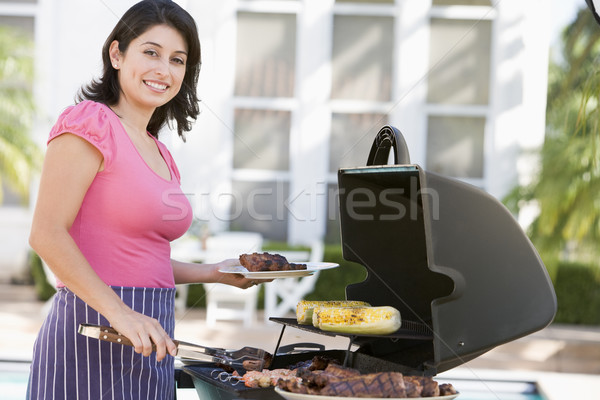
(157, 85)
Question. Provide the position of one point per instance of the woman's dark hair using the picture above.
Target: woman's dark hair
(137, 20)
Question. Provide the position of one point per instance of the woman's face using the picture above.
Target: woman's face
(152, 68)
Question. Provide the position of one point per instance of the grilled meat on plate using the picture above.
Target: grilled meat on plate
(257, 262)
(380, 384)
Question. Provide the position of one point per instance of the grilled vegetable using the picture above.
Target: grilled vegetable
(304, 308)
(358, 320)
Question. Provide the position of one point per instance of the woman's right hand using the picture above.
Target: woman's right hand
(144, 332)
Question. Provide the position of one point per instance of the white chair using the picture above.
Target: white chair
(282, 295)
(225, 302)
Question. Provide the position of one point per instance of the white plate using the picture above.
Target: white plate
(300, 396)
(311, 268)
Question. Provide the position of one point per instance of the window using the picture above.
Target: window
(23, 24)
(350, 143)
(455, 146)
(265, 55)
(366, 1)
(462, 3)
(265, 75)
(261, 140)
(459, 72)
(458, 89)
(362, 58)
(260, 207)
(362, 63)
(351, 139)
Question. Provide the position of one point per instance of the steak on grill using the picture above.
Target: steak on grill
(337, 380)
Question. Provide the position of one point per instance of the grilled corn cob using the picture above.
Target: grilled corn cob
(304, 308)
(358, 320)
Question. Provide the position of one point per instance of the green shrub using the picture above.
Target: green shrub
(332, 283)
(43, 289)
(577, 289)
(196, 296)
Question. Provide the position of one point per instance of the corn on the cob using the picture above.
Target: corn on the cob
(315, 318)
(358, 320)
(304, 308)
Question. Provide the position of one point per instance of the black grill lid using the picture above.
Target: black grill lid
(444, 253)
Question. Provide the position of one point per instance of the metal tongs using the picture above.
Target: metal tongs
(249, 358)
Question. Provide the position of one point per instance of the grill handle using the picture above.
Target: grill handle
(300, 347)
(387, 138)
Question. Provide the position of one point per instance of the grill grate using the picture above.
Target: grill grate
(409, 330)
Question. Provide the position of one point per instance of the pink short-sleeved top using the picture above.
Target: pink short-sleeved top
(129, 214)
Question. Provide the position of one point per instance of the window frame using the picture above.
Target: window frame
(474, 13)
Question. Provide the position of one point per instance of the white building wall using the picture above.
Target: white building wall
(70, 34)
(518, 106)
(309, 152)
(69, 38)
(14, 234)
(206, 159)
(410, 88)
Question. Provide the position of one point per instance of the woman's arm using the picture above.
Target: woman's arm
(209, 273)
(70, 165)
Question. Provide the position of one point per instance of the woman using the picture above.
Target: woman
(109, 204)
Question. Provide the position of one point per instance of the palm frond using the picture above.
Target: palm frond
(567, 187)
(20, 157)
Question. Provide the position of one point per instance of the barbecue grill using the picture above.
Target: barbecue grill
(448, 256)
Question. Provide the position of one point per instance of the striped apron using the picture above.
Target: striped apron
(67, 365)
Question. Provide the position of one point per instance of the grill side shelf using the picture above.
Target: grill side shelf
(409, 330)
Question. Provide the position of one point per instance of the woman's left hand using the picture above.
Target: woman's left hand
(237, 280)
